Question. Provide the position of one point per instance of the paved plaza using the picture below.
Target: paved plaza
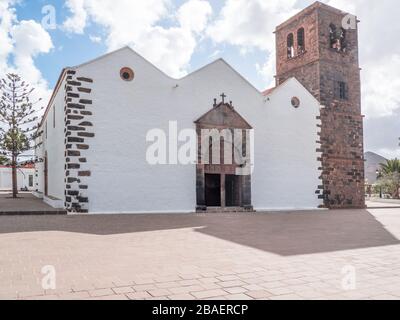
(287, 255)
(25, 204)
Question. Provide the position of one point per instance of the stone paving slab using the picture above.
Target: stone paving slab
(268, 256)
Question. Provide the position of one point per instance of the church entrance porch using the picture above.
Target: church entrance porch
(223, 175)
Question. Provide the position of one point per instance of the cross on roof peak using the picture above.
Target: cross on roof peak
(223, 95)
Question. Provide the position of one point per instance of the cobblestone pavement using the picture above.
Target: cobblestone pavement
(298, 255)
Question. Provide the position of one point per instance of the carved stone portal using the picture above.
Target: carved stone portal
(223, 152)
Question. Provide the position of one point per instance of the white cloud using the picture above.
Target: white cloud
(171, 49)
(250, 24)
(215, 54)
(381, 87)
(345, 5)
(134, 23)
(7, 18)
(30, 40)
(379, 53)
(95, 39)
(268, 71)
(77, 22)
(193, 15)
(21, 42)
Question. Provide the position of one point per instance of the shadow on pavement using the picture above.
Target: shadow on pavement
(282, 233)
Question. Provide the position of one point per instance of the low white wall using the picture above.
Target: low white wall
(23, 175)
(55, 203)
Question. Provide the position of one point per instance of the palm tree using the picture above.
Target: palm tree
(391, 166)
(389, 177)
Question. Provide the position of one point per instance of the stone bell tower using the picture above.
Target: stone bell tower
(319, 46)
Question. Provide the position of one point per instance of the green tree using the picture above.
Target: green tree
(3, 160)
(391, 166)
(18, 122)
(389, 177)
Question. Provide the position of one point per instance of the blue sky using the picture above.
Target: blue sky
(65, 45)
(180, 36)
(64, 52)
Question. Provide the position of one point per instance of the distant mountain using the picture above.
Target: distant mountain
(372, 164)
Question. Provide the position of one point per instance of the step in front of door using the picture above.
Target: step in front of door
(226, 210)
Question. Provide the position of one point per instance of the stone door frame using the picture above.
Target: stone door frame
(222, 116)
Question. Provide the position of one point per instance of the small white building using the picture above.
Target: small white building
(25, 178)
(106, 116)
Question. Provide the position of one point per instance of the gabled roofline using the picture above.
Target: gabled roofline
(229, 106)
(162, 72)
(64, 71)
(103, 56)
(285, 83)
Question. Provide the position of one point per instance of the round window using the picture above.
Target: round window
(295, 102)
(127, 74)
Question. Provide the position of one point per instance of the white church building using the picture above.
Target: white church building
(104, 129)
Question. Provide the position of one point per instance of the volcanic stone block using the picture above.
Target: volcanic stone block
(76, 128)
(75, 106)
(83, 199)
(82, 146)
(85, 90)
(86, 134)
(83, 79)
(75, 139)
(76, 206)
(73, 153)
(86, 113)
(86, 124)
(73, 117)
(74, 83)
(85, 101)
